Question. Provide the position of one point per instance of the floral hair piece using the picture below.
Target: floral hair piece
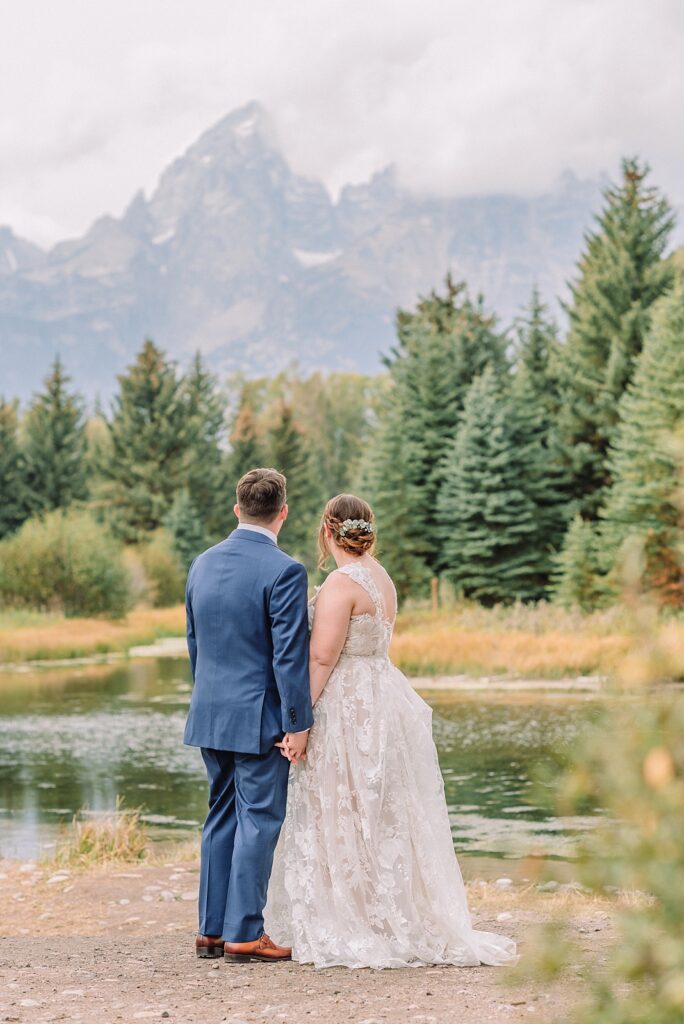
(355, 524)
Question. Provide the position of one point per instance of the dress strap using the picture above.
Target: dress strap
(364, 577)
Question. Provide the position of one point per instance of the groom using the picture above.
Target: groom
(248, 642)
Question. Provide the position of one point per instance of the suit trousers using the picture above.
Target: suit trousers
(247, 803)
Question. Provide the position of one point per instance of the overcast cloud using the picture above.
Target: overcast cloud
(97, 96)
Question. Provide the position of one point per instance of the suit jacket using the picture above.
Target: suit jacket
(248, 641)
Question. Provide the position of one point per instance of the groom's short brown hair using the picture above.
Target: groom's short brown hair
(261, 494)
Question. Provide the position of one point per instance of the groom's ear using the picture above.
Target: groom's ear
(284, 512)
(236, 510)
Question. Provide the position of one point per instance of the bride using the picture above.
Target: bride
(365, 873)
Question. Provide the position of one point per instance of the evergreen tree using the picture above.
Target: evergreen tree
(246, 448)
(14, 504)
(537, 351)
(621, 274)
(187, 528)
(441, 347)
(55, 445)
(492, 507)
(577, 581)
(386, 476)
(145, 461)
(643, 461)
(206, 478)
(290, 453)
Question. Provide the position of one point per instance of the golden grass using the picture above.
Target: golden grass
(35, 637)
(119, 837)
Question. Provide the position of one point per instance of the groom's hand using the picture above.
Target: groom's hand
(293, 746)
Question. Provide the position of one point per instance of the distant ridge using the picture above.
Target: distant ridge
(236, 255)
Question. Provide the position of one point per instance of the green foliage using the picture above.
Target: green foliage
(291, 453)
(246, 449)
(442, 345)
(64, 561)
(621, 274)
(205, 477)
(643, 460)
(14, 507)
(55, 445)
(497, 499)
(163, 568)
(632, 765)
(187, 529)
(144, 462)
(387, 479)
(577, 580)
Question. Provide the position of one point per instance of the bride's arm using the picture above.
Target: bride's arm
(333, 610)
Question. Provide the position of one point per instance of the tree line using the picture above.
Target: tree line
(515, 464)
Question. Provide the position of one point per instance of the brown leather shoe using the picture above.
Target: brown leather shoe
(262, 949)
(209, 946)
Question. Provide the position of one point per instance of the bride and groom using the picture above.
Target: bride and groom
(327, 827)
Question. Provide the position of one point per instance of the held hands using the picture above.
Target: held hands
(293, 746)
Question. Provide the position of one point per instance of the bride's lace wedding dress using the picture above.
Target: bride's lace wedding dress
(365, 873)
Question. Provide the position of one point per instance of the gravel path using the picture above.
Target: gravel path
(117, 945)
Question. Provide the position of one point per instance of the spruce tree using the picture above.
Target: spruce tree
(621, 274)
(290, 453)
(14, 504)
(206, 477)
(577, 582)
(441, 347)
(144, 463)
(187, 528)
(492, 507)
(55, 445)
(643, 460)
(386, 477)
(246, 447)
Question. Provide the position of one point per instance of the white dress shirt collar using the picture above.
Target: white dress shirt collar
(259, 529)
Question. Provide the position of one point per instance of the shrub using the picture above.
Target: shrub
(163, 568)
(64, 561)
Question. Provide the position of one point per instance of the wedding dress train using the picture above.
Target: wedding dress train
(365, 873)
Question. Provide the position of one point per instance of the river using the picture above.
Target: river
(74, 739)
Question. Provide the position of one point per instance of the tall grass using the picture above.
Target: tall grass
(29, 636)
(118, 837)
(522, 640)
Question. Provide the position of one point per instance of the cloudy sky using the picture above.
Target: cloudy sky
(465, 96)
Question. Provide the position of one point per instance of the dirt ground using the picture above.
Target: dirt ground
(116, 944)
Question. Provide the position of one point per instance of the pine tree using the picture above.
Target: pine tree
(441, 347)
(14, 503)
(537, 351)
(386, 477)
(246, 448)
(577, 581)
(621, 274)
(289, 452)
(55, 445)
(145, 461)
(187, 528)
(206, 478)
(492, 505)
(643, 461)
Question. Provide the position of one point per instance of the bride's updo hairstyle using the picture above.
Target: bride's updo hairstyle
(351, 523)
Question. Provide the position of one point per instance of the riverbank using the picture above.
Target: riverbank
(33, 636)
(539, 642)
(115, 944)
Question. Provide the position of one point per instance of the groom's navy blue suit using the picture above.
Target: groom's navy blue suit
(249, 651)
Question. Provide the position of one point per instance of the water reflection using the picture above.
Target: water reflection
(78, 738)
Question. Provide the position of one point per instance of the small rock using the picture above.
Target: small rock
(166, 895)
(57, 878)
(548, 886)
(503, 883)
(505, 915)
(123, 903)
(189, 895)
(29, 1002)
(25, 868)
(165, 1013)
